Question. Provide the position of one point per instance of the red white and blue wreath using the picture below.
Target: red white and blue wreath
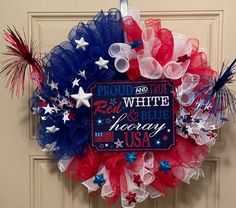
(129, 112)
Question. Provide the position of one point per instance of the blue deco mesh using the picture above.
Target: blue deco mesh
(62, 65)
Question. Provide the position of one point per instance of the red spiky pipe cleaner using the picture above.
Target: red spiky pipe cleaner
(22, 57)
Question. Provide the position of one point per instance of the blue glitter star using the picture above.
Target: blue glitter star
(136, 44)
(165, 166)
(99, 179)
(130, 157)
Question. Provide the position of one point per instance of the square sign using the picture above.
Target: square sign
(133, 116)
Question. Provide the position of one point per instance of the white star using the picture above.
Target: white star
(75, 82)
(49, 147)
(54, 99)
(82, 98)
(52, 129)
(53, 85)
(102, 63)
(189, 129)
(48, 109)
(182, 112)
(55, 108)
(67, 94)
(118, 143)
(201, 125)
(66, 116)
(44, 118)
(208, 106)
(81, 43)
(82, 74)
(63, 102)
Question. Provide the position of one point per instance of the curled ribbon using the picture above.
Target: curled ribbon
(146, 176)
(185, 94)
(122, 53)
(64, 163)
(189, 173)
(106, 190)
(154, 40)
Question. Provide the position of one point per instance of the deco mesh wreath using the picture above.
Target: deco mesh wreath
(129, 112)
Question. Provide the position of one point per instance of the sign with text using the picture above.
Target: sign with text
(132, 116)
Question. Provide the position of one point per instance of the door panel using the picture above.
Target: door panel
(29, 178)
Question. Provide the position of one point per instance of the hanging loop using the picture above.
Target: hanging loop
(124, 7)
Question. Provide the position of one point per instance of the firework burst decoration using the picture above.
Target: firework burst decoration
(218, 95)
(22, 58)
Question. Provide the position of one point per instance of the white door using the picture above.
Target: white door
(28, 178)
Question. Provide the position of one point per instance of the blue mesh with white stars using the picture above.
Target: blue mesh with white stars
(63, 128)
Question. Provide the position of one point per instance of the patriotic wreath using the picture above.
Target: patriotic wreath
(114, 50)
